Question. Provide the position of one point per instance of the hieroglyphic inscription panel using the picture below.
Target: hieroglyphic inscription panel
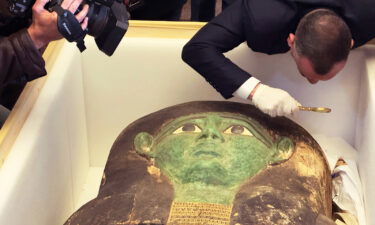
(189, 213)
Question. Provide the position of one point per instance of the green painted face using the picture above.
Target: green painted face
(211, 148)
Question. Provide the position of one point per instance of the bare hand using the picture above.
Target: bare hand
(44, 23)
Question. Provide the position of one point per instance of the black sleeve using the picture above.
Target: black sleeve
(19, 57)
(204, 52)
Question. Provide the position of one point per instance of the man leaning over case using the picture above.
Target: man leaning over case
(319, 35)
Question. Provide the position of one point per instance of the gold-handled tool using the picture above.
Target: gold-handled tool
(315, 109)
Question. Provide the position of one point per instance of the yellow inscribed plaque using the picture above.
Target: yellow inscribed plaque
(196, 213)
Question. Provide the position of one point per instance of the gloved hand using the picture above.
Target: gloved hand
(273, 101)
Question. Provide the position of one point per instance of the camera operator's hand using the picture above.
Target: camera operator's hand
(44, 23)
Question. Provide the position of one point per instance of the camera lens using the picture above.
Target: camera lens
(98, 19)
(108, 22)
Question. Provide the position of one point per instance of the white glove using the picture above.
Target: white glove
(274, 101)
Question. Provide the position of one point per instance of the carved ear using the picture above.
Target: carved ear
(284, 149)
(143, 143)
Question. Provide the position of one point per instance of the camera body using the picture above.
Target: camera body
(108, 23)
(108, 19)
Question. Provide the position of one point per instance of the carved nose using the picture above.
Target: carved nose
(213, 134)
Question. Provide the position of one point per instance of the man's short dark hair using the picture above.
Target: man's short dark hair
(324, 38)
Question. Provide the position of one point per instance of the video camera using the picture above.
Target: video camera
(108, 21)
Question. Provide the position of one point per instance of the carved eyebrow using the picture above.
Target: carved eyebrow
(180, 123)
(194, 117)
(230, 117)
(258, 133)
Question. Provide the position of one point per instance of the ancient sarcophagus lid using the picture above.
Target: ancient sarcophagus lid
(211, 163)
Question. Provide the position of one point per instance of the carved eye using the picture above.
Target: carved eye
(238, 129)
(189, 127)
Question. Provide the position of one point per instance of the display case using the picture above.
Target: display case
(56, 141)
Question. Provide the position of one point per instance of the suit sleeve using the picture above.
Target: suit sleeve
(19, 57)
(205, 51)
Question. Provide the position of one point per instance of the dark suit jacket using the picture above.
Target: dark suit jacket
(264, 25)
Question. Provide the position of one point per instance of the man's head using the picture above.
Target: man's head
(320, 45)
(213, 149)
